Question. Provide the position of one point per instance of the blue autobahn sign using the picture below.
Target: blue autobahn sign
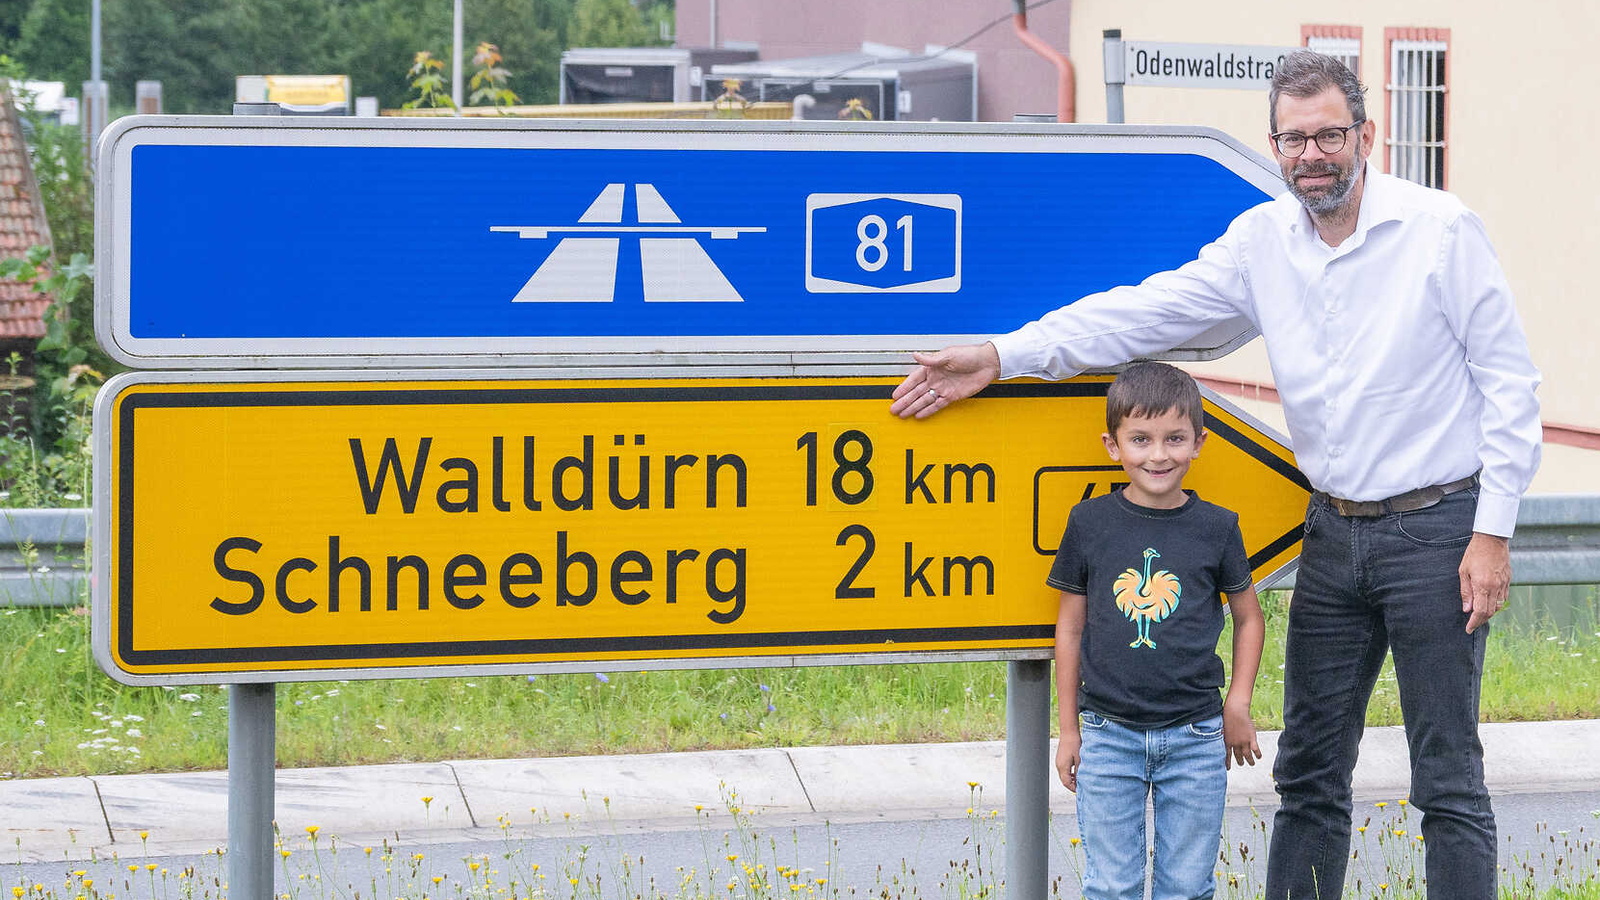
(304, 243)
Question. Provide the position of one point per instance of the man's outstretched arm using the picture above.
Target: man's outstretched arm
(940, 379)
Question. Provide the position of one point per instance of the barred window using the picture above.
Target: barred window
(1416, 92)
(1345, 49)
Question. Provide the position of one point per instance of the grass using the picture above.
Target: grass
(62, 716)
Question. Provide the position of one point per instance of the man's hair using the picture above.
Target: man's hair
(1153, 389)
(1306, 73)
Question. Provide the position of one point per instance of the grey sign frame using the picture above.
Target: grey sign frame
(681, 353)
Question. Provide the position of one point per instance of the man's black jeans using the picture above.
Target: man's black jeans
(1367, 586)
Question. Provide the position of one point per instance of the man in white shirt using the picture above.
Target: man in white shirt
(1409, 394)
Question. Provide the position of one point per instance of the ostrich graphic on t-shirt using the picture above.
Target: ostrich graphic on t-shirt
(1145, 598)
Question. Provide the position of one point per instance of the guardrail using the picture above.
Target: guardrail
(42, 559)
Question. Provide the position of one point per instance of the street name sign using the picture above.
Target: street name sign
(274, 242)
(1241, 66)
(326, 524)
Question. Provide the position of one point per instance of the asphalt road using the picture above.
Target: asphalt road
(857, 855)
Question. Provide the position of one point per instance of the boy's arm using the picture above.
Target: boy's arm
(1069, 646)
(1249, 632)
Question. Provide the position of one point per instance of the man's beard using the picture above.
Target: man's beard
(1330, 199)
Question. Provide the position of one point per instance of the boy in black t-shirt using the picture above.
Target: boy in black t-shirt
(1141, 573)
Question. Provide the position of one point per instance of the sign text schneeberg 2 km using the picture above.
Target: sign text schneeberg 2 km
(296, 529)
(290, 243)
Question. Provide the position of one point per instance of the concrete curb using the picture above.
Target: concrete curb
(51, 819)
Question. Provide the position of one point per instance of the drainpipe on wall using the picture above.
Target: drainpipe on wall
(1066, 83)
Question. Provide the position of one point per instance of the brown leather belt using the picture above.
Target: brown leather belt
(1410, 501)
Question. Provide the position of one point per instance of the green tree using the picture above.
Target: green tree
(53, 41)
(609, 23)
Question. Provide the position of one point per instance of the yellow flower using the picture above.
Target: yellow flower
(286, 853)
(144, 835)
(132, 867)
(972, 784)
(1399, 832)
(313, 829)
(1362, 829)
(150, 867)
(367, 850)
(574, 881)
(821, 881)
(732, 857)
(1382, 803)
(17, 891)
(426, 800)
(1403, 801)
(438, 878)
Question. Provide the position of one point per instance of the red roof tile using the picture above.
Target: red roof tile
(22, 225)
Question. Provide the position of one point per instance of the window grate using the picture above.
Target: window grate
(1416, 142)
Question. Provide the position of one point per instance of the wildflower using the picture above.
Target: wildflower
(1075, 841)
(438, 878)
(312, 830)
(426, 801)
(972, 784)
(367, 850)
(764, 689)
(144, 835)
(286, 853)
(1403, 801)
(1382, 803)
(601, 677)
(1399, 832)
(733, 857)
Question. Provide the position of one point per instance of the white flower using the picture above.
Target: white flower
(133, 718)
(135, 733)
(189, 698)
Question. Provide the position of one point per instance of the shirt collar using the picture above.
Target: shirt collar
(1378, 205)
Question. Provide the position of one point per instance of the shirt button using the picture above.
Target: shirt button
(1335, 451)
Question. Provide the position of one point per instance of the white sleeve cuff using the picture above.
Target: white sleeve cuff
(1497, 514)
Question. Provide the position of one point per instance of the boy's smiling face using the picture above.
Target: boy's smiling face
(1156, 452)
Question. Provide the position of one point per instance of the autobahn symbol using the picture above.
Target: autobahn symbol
(583, 266)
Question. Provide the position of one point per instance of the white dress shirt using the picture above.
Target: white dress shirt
(1398, 354)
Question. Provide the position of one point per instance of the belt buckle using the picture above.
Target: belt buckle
(1421, 498)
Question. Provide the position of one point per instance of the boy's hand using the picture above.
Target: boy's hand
(1239, 733)
(1068, 755)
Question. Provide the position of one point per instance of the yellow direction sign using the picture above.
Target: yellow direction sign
(291, 530)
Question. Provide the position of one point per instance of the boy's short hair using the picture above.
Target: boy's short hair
(1153, 389)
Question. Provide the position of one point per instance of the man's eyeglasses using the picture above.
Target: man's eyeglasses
(1292, 144)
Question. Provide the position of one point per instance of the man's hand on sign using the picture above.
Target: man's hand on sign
(940, 379)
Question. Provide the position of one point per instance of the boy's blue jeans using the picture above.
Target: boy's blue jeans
(1184, 770)
(1366, 586)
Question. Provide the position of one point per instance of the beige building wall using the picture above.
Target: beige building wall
(1520, 128)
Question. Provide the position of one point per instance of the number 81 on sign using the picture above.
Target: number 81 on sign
(883, 243)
